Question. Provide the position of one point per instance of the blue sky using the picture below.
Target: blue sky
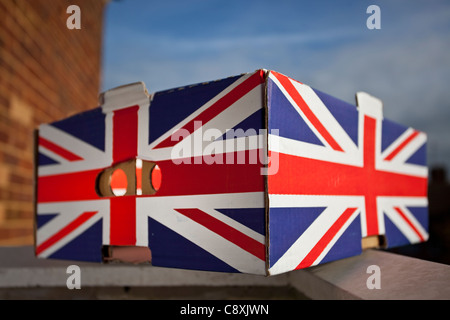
(324, 44)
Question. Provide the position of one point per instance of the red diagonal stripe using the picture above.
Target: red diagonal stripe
(402, 214)
(64, 153)
(219, 106)
(231, 234)
(65, 231)
(401, 146)
(289, 87)
(326, 238)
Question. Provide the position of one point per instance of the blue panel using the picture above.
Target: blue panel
(169, 249)
(170, 107)
(390, 132)
(419, 157)
(348, 244)
(286, 225)
(42, 219)
(254, 218)
(44, 160)
(88, 126)
(85, 247)
(286, 119)
(345, 113)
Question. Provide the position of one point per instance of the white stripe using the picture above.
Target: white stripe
(386, 202)
(93, 158)
(295, 201)
(313, 151)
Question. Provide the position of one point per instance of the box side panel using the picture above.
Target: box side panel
(69, 213)
(306, 226)
(336, 181)
(209, 211)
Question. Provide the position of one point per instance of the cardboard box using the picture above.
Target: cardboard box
(256, 173)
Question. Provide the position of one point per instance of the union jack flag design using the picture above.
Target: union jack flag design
(207, 216)
(344, 173)
(204, 216)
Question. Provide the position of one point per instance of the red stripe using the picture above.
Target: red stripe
(123, 221)
(231, 234)
(317, 177)
(289, 87)
(68, 187)
(402, 214)
(64, 153)
(368, 175)
(326, 238)
(219, 106)
(401, 146)
(193, 179)
(125, 145)
(65, 231)
(125, 131)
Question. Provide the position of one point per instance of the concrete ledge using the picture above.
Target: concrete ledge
(20, 268)
(401, 277)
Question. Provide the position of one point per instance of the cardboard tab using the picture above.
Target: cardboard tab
(124, 96)
(369, 105)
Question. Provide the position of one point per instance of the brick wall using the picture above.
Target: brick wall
(47, 72)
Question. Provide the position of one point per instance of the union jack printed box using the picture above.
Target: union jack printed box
(259, 174)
